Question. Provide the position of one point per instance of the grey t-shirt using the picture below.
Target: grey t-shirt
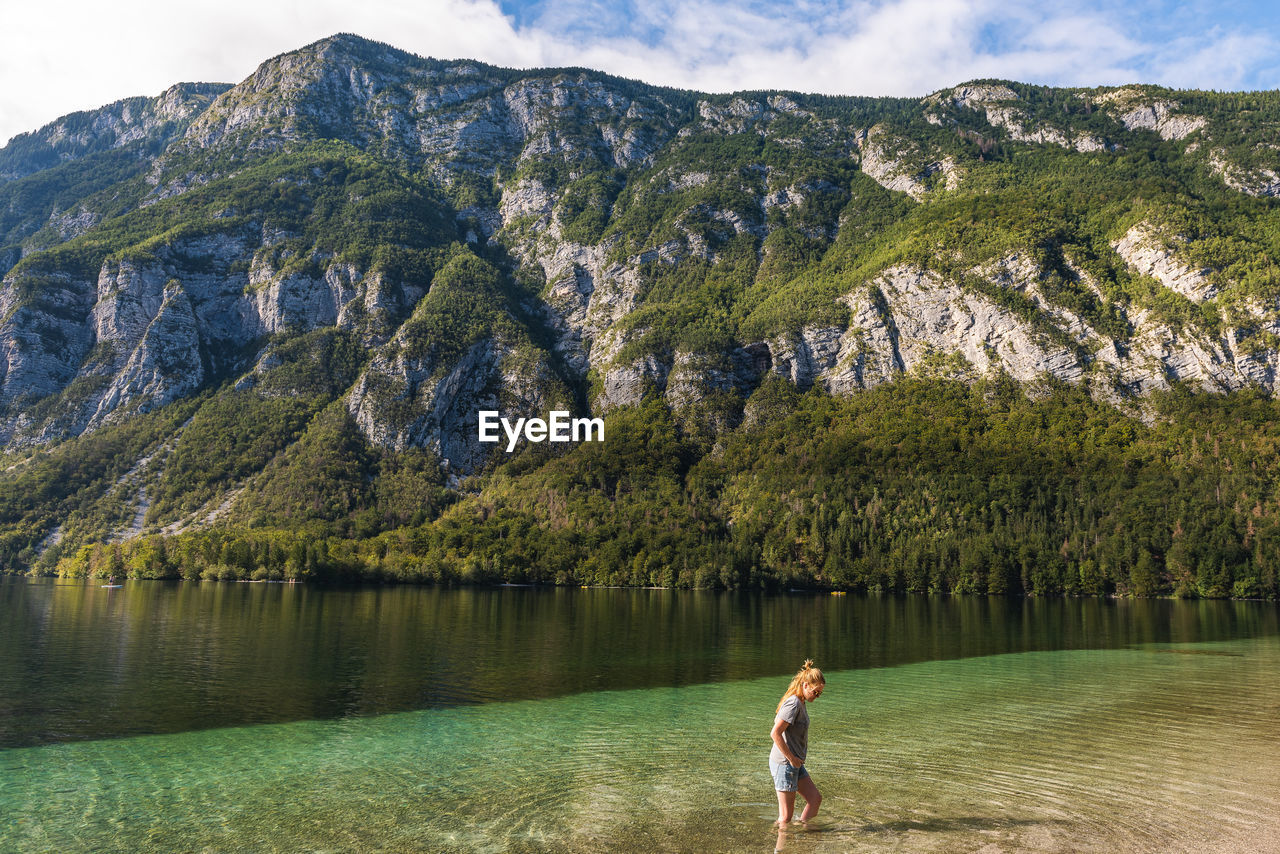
(796, 735)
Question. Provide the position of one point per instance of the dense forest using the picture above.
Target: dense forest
(923, 485)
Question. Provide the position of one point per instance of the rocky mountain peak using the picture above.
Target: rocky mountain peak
(523, 237)
(155, 121)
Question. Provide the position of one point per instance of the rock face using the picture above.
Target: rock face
(909, 316)
(42, 340)
(1144, 251)
(454, 117)
(977, 96)
(900, 165)
(638, 241)
(1159, 118)
(1259, 181)
(404, 403)
(994, 103)
(157, 120)
(164, 363)
(1135, 111)
(150, 331)
(913, 321)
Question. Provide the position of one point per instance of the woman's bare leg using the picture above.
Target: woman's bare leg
(812, 797)
(786, 806)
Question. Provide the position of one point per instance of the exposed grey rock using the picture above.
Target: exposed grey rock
(588, 297)
(625, 385)
(992, 101)
(588, 294)
(129, 297)
(1086, 143)
(1136, 111)
(734, 117)
(153, 329)
(918, 315)
(898, 164)
(869, 350)
(804, 358)
(750, 364)
(688, 180)
(403, 400)
(1019, 273)
(114, 126)
(976, 96)
(1157, 117)
(489, 220)
(695, 375)
(157, 324)
(1254, 182)
(1015, 122)
(743, 113)
(569, 300)
(1143, 249)
(71, 225)
(529, 198)
(1157, 355)
(43, 340)
(439, 410)
(731, 221)
(454, 117)
(164, 366)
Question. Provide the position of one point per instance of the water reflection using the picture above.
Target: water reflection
(80, 662)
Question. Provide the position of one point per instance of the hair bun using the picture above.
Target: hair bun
(808, 663)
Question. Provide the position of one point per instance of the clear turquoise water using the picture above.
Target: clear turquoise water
(1156, 747)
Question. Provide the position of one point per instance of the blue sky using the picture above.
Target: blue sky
(1230, 44)
(77, 54)
(648, 21)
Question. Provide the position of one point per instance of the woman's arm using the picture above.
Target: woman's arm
(779, 726)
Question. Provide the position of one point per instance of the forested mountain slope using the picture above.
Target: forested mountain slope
(253, 326)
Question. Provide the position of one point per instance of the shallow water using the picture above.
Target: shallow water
(1150, 746)
(1151, 749)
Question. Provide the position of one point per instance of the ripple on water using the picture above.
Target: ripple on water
(1055, 751)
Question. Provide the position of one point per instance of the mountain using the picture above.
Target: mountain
(280, 305)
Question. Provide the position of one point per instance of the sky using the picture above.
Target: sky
(60, 56)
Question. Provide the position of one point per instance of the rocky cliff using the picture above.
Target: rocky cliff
(528, 239)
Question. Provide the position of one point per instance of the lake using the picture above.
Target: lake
(245, 717)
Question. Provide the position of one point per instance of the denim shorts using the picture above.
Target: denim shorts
(786, 776)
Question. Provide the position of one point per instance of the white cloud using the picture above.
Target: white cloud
(1221, 61)
(81, 55)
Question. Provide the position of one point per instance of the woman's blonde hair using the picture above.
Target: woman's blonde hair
(808, 675)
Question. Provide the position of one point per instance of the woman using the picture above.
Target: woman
(791, 743)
